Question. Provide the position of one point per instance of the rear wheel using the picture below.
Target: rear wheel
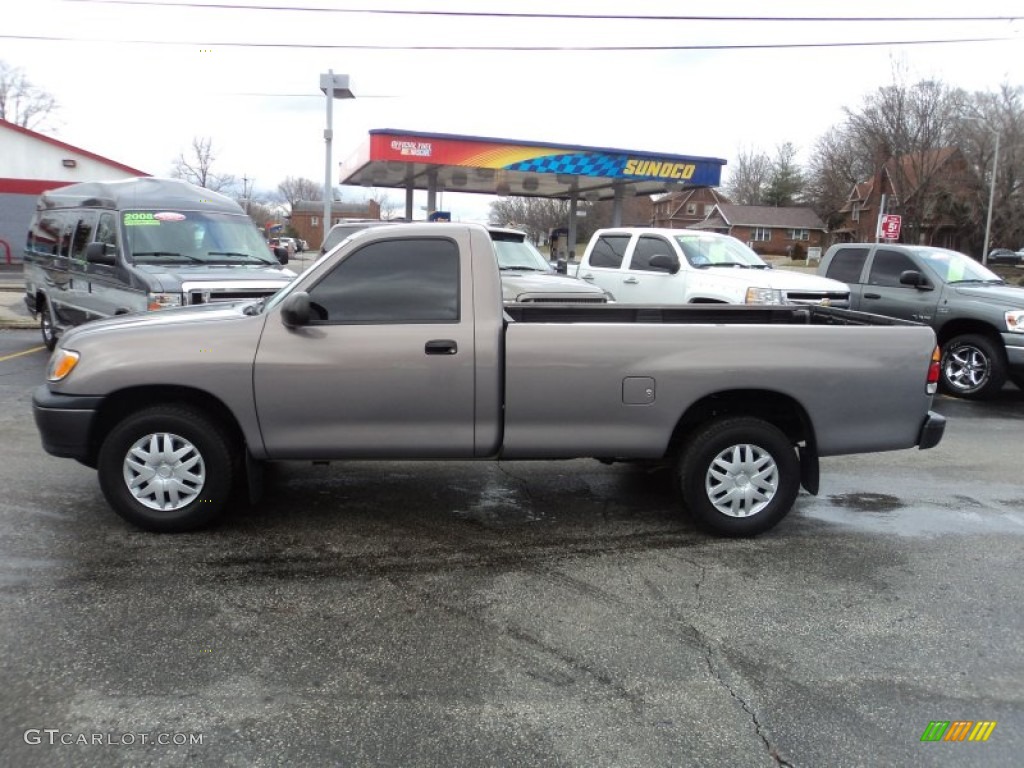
(972, 367)
(167, 468)
(46, 326)
(739, 476)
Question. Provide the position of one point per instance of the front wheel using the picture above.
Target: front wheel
(167, 469)
(47, 328)
(739, 476)
(972, 367)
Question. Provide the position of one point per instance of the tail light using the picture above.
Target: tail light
(933, 373)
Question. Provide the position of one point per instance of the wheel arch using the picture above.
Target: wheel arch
(118, 405)
(781, 410)
(963, 326)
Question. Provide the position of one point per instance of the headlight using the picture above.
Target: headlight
(763, 296)
(163, 300)
(62, 363)
(1015, 320)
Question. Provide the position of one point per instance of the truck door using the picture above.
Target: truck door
(883, 294)
(386, 367)
(603, 264)
(848, 266)
(643, 284)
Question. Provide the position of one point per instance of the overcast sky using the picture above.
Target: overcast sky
(137, 81)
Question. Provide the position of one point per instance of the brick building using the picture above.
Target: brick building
(931, 190)
(308, 217)
(686, 207)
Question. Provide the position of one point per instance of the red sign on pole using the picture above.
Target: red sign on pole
(889, 226)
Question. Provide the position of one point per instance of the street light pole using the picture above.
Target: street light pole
(991, 200)
(334, 87)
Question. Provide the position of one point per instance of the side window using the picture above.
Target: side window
(106, 232)
(887, 266)
(608, 251)
(646, 247)
(392, 281)
(45, 232)
(85, 228)
(847, 264)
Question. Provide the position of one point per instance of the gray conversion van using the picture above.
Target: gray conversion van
(100, 249)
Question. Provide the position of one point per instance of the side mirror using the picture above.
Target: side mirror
(295, 311)
(562, 267)
(914, 279)
(665, 262)
(100, 253)
(281, 253)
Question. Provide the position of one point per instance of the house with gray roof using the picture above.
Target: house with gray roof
(768, 229)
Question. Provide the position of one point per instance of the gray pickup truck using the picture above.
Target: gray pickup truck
(978, 319)
(396, 345)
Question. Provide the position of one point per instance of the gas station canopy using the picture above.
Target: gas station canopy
(434, 162)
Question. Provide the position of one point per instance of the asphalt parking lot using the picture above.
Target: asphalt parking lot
(562, 614)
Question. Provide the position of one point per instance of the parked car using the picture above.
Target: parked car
(1005, 256)
(526, 275)
(99, 249)
(396, 345)
(644, 265)
(977, 317)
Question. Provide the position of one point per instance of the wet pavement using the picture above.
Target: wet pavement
(535, 613)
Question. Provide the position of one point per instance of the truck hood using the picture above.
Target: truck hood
(170, 277)
(516, 284)
(218, 312)
(782, 278)
(1008, 295)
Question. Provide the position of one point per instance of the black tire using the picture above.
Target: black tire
(972, 367)
(46, 327)
(754, 446)
(194, 490)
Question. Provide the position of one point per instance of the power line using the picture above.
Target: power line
(570, 16)
(510, 48)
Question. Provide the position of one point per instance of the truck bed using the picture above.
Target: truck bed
(695, 314)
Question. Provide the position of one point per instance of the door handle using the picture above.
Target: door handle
(631, 281)
(441, 347)
(872, 295)
(587, 276)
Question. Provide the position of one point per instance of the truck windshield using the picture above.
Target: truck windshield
(955, 267)
(163, 236)
(514, 253)
(709, 251)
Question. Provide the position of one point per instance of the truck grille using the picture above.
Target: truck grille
(211, 293)
(822, 298)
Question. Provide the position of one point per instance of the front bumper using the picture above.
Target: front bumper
(931, 431)
(65, 422)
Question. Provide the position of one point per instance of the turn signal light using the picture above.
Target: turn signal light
(61, 364)
(933, 372)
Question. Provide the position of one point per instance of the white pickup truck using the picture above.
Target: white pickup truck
(642, 265)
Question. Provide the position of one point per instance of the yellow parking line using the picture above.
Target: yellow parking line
(20, 354)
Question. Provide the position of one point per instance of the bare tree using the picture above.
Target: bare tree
(293, 190)
(537, 216)
(986, 116)
(388, 207)
(749, 178)
(198, 167)
(835, 166)
(906, 128)
(21, 102)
